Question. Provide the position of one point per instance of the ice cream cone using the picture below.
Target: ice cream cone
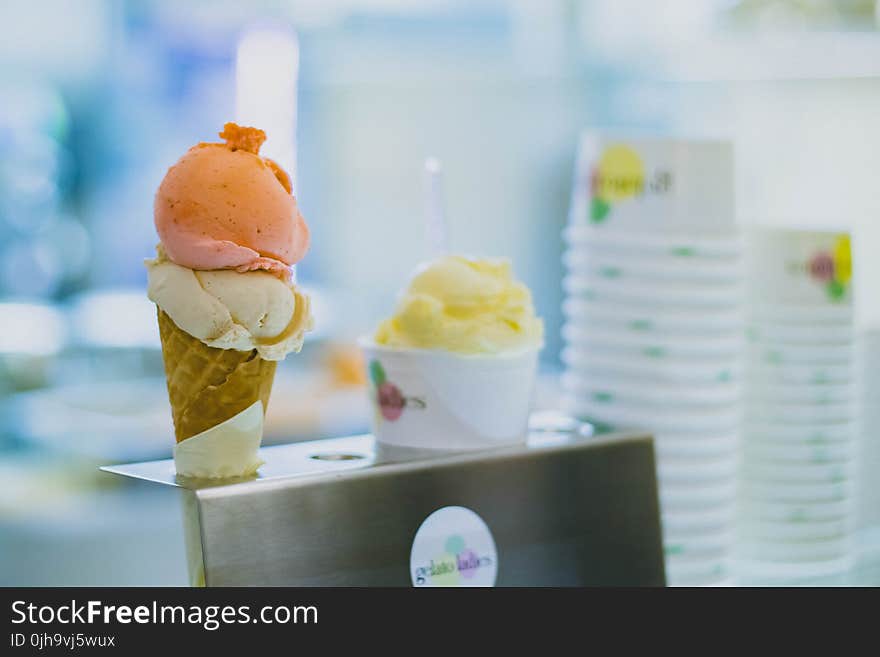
(229, 310)
(206, 385)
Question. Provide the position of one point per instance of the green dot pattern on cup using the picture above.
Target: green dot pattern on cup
(773, 357)
(820, 377)
(599, 210)
(752, 333)
(654, 352)
(377, 373)
(817, 439)
(820, 455)
(683, 251)
(673, 549)
(836, 290)
(603, 396)
(610, 272)
(725, 375)
(798, 515)
(641, 325)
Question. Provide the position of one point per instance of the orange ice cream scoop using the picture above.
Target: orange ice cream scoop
(222, 206)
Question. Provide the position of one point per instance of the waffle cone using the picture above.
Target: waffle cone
(206, 385)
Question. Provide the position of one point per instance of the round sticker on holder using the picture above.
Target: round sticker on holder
(453, 547)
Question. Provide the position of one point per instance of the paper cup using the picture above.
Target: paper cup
(803, 315)
(601, 387)
(787, 472)
(798, 453)
(795, 531)
(804, 393)
(761, 433)
(686, 247)
(592, 262)
(658, 419)
(676, 498)
(436, 400)
(701, 521)
(806, 334)
(780, 353)
(637, 319)
(637, 185)
(786, 572)
(712, 544)
(647, 368)
(794, 551)
(796, 512)
(653, 346)
(696, 471)
(799, 373)
(653, 295)
(808, 414)
(700, 446)
(797, 493)
(686, 570)
(800, 267)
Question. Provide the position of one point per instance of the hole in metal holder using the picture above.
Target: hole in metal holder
(336, 456)
(552, 421)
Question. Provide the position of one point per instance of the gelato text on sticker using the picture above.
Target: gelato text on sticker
(453, 547)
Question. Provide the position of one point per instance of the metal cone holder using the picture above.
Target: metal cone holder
(563, 509)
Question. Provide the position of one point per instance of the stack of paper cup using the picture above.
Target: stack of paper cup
(869, 452)
(654, 326)
(801, 412)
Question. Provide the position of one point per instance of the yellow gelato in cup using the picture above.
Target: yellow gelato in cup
(464, 306)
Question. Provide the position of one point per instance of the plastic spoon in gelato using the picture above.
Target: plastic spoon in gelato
(436, 231)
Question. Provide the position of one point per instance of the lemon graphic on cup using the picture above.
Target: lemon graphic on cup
(618, 175)
(841, 254)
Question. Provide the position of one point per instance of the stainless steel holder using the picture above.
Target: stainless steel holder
(563, 510)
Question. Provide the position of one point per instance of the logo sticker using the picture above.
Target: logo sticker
(453, 547)
(831, 268)
(389, 399)
(620, 175)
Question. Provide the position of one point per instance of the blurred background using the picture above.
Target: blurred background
(99, 97)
